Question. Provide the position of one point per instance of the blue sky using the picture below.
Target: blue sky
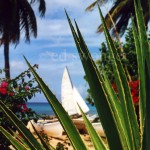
(54, 47)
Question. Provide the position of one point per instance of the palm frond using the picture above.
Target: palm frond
(42, 7)
(112, 16)
(90, 7)
(100, 2)
(118, 16)
(27, 20)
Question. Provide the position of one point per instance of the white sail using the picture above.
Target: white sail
(67, 94)
(77, 97)
(70, 96)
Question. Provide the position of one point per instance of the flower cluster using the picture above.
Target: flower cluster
(15, 94)
(3, 88)
(134, 86)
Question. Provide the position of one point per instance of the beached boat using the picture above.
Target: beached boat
(98, 127)
(71, 98)
(51, 128)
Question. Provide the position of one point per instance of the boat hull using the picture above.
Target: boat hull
(80, 125)
(98, 127)
(53, 129)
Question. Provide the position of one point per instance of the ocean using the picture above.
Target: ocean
(45, 108)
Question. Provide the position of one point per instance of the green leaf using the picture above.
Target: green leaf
(145, 54)
(15, 85)
(144, 44)
(22, 80)
(13, 140)
(62, 115)
(29, 75)
(146, 135)
(114, 105)
(26, 134)
(96, 87)
(96, 140)
(30, 85)
(144, 72)
(141, 71)
(124, 92)
(18, 137)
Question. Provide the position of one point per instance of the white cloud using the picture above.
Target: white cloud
(55, 5)
(17, 66)
(59, 33)
(54, 68)
(55, 28)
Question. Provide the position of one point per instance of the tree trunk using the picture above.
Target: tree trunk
(6, 59)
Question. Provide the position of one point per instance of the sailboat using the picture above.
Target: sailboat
(71, 98)
(52, 128)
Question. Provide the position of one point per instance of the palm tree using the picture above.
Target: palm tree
(120, 13)
(17, 16)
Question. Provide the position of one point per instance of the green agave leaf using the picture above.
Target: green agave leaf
(142, 31)
(145, 57)
(117, 112)
(20, 138)
(144, 76)
(114, 103)
(26, 134)
(46, 146)
(124, 93)
(62, 115)
(146, 135)
(13, 140)
(141, 71)
(96, 140)
(98, 94)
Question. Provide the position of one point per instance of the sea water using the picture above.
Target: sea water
(45, 108)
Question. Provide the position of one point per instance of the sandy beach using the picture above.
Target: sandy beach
(54, 141)
(63, 141)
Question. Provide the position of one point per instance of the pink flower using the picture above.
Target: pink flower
(4, 84)
(25, 108)
(19, 106)
(27, 88)
(3, 90)
(11, 94)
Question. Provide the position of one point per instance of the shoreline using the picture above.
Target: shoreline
(44, 109)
